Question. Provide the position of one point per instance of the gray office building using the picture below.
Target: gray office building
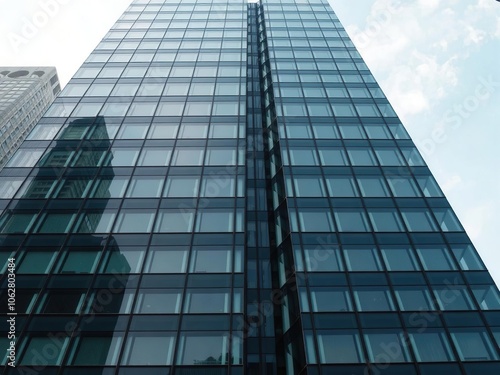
(25, 94)
(223, 189)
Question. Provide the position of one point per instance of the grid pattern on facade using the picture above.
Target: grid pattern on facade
(224, 189)
(24, 97)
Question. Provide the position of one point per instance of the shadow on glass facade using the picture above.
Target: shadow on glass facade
(223, 189)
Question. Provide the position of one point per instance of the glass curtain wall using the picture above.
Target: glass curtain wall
(224, 189)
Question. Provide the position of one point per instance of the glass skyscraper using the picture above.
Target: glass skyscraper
(224, 189)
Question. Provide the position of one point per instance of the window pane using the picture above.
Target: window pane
(361, 156)
(385, 220)
(353, 220)
(325, 131)
(473, 345)
(303, 157)
(180, 186)
(145, 187)
(342, 187)
(309, 187)
(158, 302)
(134, 221)
(389, 157)
(80, 262)
(373, 186)
(362, 259)
(217, 186)
(339, 347)
(298, 131)
(56, 223)
(316, 221)
(378, 132)
(207, 301)
(174, 221)
(215, 221)
(150, 89)
(123, 260)
(221, 157)
(456, 298)
(211, 261)
(373, 299)
(436, 259)
(24, 158)
(154, 157)
(330, 299)
(377, 344)
(193, 131)
(431, 346)
(74, 187)
(142, 109)
(223, 131)
(203, 349)
(447, 220)
(352, 131)
(323, 259)
(44, 132)
(429, 186)
(170, 108)
(9, 186)
(333, 156)
(418, 220)
(149, 349)
(343, 110)
(414, 298)
(121, 157)
(467, 257)
(487, 297)
(110, 187)
(399, 259)
(17, 223)
(37, 188)
(188, 156)
(403, 187)
(39, 345)
(114, 109)
(163, 131)
(198, 109)
(412, 157)
(125, 89)
(95, 351)
(165, 260)
(96, 222)
(38, 262)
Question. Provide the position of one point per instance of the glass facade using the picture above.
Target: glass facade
(224, 189)
(25, 94)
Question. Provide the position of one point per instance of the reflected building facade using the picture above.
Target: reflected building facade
(224, 189)
(25, 94)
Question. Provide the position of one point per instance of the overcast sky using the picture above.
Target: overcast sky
(437, 61)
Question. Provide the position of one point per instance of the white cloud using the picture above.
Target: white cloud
(474, 36)
(428, 5)
(477, 218)
(420, 45)
(451, 183)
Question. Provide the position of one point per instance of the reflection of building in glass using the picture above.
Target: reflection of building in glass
(25, 94)
(223, 189)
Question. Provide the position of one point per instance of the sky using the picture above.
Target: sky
(436, 60)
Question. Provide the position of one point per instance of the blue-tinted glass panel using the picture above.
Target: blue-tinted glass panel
(473, 345)
(431, 346)
(148, 349)
(376, 344)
